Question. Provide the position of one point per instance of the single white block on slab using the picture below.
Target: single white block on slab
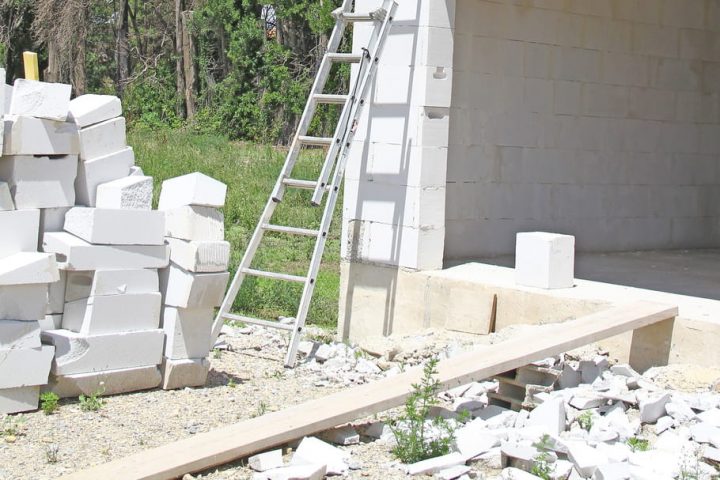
(102, 139)
(93, 173)
(187, 332)
(20, 230)
(90, 109)
(19, 335)
(192, 189)
(23, 302)
(40, 182)
(26, 367)
(199, 256)
(29, 268)
(110, 382)
(191, 372)
(113, 313)
(266, 461)
(80, 255)
(52, 219)
(183, 289)
(101, 226)
(195, 223)
(132, 193)
(6, 201)
(51, 322)
(545, 260)
(76, 353)
(16, 400)
(41, 99)
(37, 136)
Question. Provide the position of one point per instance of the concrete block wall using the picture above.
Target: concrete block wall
(394, 200)
(599, 119)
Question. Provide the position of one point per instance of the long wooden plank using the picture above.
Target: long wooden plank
(239, 440)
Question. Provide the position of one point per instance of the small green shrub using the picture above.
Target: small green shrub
(542, 466)
(585, 420)
(49, 402)
(637, 444)
(92, 402)
(414, 442)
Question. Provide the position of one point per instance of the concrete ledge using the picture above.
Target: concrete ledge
(377, 301)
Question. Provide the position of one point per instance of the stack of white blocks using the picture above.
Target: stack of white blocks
(37, 170)
(109, 300)
(194, 283)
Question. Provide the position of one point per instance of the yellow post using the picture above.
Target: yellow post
(32, 71)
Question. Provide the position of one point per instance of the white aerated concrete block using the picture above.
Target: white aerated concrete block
(28, 268)
(115, 282)
(315, 471)
(23, 302)
(266, 461)
(77, 353)
(184, 373)
(78, 285)
(51, 322)
(434, 465)
(19, 231)
(26, 367)
(56, 294)
(315, 451)
(113, 313)
(40, 99)
(195, 223)
(95, 172)
(545, 260)
(36, 136)
(133, 193)
(192, 189)
(19, 335)
(110, 382)
(6, 201)
(101, 226)
(80, 255)
(549, 414)
(102, 139)
(198, 256)
(183, 289)
(136, 171)
(90, 109)
(15, 400)
(52, 219)
(40, 182)
(187, 332)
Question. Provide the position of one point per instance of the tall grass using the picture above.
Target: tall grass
(250, 172)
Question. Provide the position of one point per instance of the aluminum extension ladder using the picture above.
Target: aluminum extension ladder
(331, 174)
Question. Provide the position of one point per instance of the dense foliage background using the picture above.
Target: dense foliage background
(241, 68)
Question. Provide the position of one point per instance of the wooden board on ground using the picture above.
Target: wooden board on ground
(239, 440)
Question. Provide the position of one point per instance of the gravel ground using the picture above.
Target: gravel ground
(245, 381)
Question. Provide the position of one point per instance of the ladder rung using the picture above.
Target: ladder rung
(360, 17)
(257, 321)
(345, 57)
(291, 230)
(273, 275)
(306, 184)
(317, 141)
(327, 98)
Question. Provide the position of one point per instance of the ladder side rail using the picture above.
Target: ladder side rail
(334, 192)
(377, 37)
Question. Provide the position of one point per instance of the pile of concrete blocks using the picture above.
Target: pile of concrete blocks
(194, 283)
(91, 295)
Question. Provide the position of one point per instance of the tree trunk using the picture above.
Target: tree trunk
(78, 78)
(179, 62)
(53, 73)
(122, 48)
(189, 66)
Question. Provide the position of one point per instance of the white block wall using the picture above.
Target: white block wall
(395, 180)
(599, 119)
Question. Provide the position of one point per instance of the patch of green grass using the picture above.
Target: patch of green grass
(250, 171)
(94, 401)
(49, 402)
(637, 444)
